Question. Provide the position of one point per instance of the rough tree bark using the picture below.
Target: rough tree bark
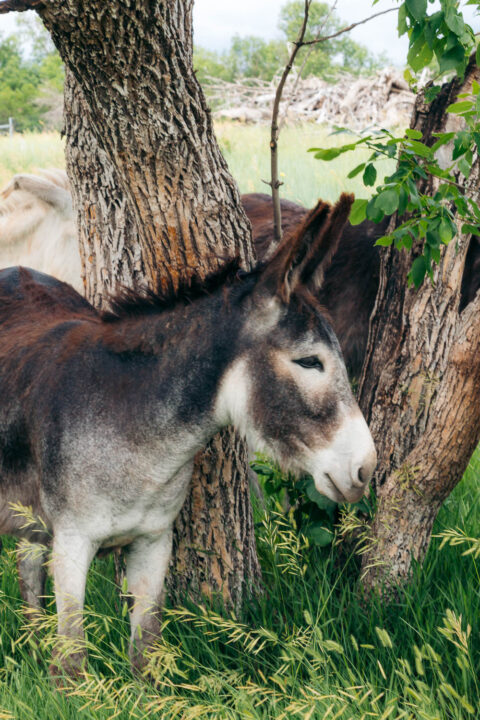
(420, 388)
(155, 203)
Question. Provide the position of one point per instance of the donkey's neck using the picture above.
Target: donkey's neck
(177, 359)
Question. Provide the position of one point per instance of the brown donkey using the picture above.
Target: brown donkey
(102, 414)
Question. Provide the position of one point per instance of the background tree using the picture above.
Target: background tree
(327, 59)
(18, 86)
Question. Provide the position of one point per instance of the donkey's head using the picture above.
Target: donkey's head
(287, 389)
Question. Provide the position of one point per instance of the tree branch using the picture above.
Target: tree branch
(347, 28)
(302, 68)
(274, 182)
(7, 6)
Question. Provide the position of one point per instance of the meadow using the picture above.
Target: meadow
(310, 647)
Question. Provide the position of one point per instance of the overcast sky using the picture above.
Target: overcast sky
(216, 21)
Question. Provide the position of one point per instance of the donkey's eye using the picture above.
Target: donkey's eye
(311, 362)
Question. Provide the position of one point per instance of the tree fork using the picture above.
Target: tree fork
(155, 203)
(420, 386)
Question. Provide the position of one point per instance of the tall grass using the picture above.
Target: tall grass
(246, 149)
(309, 647)
(29, 151)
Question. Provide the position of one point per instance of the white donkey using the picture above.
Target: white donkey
(37, 227)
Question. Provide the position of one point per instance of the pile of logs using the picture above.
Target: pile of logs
(384, 99)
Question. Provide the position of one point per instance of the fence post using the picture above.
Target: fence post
(10, 126)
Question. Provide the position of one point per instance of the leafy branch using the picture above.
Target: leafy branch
(427, 220)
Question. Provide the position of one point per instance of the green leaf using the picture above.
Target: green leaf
(461, 144)
(459, 107)
(465, 167)
(402, 200)
(431, 93)
(454, 21)
(419, 148)
(356, 170)
(402, 21)
(370, 175)
(468, 229)
(417, 8)
(453, 59)
(319, 535)
(358, 212)
(384, 241)
(374, 213)
(327, 154)
(419, 54)
(446, 230)
(387, 201)
(417, 271)
(320, 500)
(413, 134)
(443, 139)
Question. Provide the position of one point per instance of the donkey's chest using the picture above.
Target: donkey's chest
(118, 490)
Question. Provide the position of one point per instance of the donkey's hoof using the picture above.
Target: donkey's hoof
(67, 667)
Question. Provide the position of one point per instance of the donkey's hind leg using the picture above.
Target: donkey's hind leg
(32, 573)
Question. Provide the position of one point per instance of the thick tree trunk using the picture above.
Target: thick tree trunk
(420, 388)
(155, 203)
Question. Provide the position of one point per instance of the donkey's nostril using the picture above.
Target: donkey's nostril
(357, 480)
(362, 476)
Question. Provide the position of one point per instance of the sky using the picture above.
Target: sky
(217, 21)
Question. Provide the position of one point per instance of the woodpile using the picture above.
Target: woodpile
(384, 99)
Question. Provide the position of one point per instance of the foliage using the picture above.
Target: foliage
(18, 86)
(428, 221)
(254, 57)
(309, 513)
(326, 59)
(27, 78)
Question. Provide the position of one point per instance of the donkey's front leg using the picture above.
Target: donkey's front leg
(72, 554)
(147, 563)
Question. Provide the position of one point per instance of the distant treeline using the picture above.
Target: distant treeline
(32, 74)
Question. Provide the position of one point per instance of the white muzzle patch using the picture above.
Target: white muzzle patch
(343, 470)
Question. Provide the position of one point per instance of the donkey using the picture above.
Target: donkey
(351, 280)
(37, 226)
(101, 414)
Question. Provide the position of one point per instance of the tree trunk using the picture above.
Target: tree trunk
(420, 388)
(155, 203)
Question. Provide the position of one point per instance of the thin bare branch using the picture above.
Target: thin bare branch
(302, 68)
(275, 182)
(347, 28)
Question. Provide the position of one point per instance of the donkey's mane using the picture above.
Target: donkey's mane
(135, 302)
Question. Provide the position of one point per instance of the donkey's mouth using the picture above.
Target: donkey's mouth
(335, 494)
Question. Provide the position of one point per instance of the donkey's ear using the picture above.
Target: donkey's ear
(302, 255)
(325, 244)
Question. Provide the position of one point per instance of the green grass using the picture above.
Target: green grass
(29, 151)
(308, 648)
(246, 149)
